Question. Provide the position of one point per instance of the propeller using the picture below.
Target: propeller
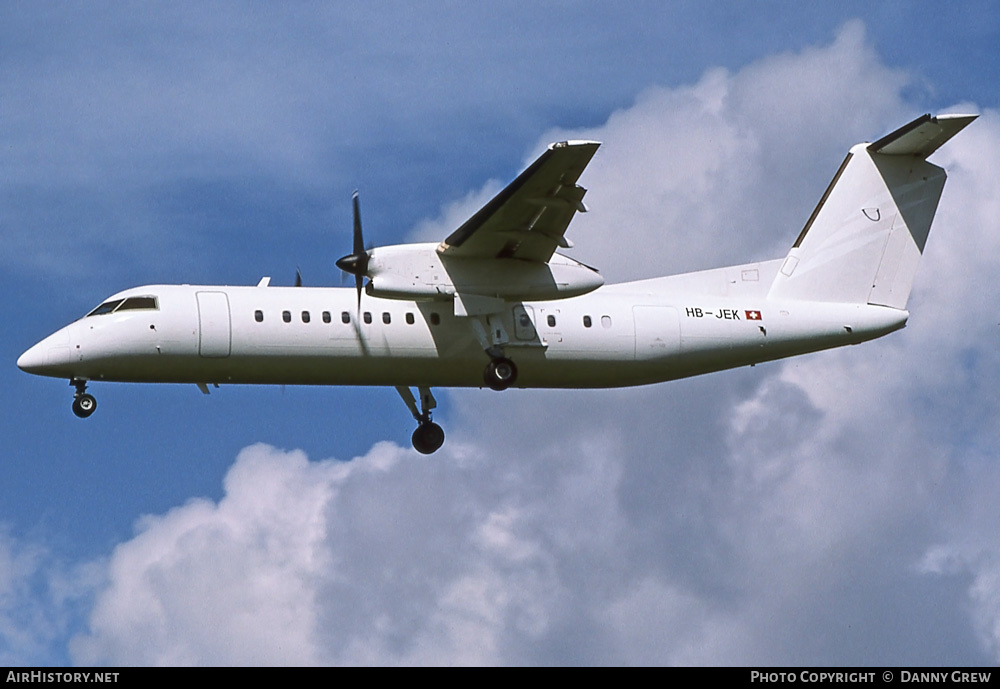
(298, 277)
(356, 263)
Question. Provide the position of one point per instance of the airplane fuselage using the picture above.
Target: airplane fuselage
(619, 335)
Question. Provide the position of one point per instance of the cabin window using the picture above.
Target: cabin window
(587, 322)
(258, 316)
(409, 318)
(345, 316)
(368, 317)
(286, 316)
(605, 321)
(435, 318)
(386, 318)
(305, 316)
(551, 320)
(326, 316)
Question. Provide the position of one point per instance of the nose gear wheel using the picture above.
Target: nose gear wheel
(428, 438)
(84, 404)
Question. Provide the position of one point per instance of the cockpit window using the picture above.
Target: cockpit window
(134, 303)
(106, 307)
(129, 304)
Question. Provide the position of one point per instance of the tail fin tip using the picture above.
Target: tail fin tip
(922, 136)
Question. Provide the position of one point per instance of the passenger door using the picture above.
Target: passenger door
(214, 327)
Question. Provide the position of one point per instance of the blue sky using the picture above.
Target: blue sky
(836, 509)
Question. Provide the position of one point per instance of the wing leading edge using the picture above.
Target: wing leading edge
(527, 220)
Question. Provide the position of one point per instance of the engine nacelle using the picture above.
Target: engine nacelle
(419, 272)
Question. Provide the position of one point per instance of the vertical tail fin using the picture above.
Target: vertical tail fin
(862, 243)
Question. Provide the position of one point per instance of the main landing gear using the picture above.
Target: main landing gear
(500, 373)
(428, 437)
(84, 404)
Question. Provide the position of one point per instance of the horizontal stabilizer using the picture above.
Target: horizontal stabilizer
(863, 242)
(922, 136)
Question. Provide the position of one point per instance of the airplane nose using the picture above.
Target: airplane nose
(33, 360)
(49, 357)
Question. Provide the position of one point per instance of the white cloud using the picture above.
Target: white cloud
(24, 626)
(957, 380)
(230, 583)
(796, 513)
(41, 599)
(384, 559)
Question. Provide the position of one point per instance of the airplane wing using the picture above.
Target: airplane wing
(527, 220)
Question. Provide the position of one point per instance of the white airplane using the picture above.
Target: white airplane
(494, 304)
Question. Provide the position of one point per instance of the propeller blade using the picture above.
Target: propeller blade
(359, 247)
(356, 263)
(298, 277)
(359, 242)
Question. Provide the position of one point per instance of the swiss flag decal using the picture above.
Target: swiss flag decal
(753, 315)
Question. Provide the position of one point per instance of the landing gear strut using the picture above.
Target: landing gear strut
(428, 437)
(84, 403)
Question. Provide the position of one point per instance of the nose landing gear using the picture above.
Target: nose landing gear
(84, 404)
(429, 437)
